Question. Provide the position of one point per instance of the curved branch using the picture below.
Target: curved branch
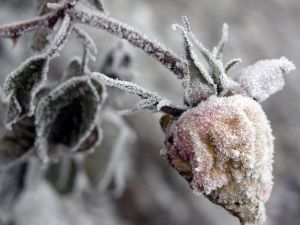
(16, 30)
(134, 37)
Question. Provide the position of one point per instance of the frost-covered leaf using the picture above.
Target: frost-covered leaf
(265, 77)
(197, 83)
(206, 74)
(21, 85)
(16, 145)
(62, 175)
(66, 116)
(109, 165)
(213, 59)
(12, 184)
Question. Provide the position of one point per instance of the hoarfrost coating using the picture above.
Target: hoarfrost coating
(224, 148)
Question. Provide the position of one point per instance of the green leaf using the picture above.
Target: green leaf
(67, 116)
(21, 85)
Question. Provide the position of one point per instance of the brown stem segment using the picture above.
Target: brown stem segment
(48, 21)
(134, 37)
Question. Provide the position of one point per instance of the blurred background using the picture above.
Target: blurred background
(154, 193)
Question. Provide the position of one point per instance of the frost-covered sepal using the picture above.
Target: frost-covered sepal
(21, 86)
(197, 83)
(265, 77)
(67, 116)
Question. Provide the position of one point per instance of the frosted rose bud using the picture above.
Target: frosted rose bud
(224, 148)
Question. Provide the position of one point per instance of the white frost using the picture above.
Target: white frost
(265, 77)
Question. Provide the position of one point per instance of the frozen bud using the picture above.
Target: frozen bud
(224, 149)
(265, 77)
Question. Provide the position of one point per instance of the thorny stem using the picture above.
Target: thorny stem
(14, 31)
(134, 37)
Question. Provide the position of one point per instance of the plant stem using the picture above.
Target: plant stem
(134, 37)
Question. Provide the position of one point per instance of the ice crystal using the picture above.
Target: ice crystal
(67, 115)
(224, 148)
(265, 77)
(21, 86)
